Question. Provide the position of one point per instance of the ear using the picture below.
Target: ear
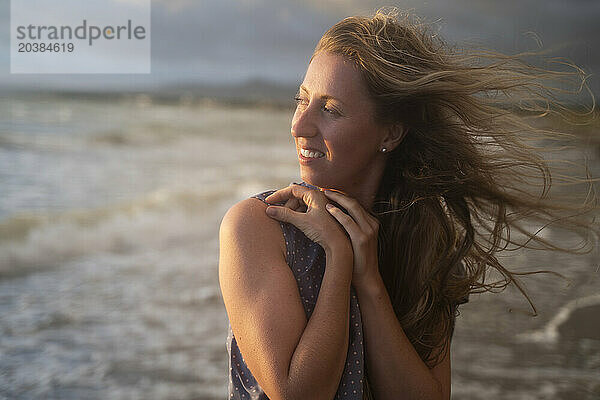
(395, 133)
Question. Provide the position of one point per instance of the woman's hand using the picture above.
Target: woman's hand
(305, 208)
(362, 228)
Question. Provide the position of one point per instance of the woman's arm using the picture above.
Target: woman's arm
(393, 364)
(394, 367)
(290, 357)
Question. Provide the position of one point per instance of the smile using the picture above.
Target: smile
(311, 153)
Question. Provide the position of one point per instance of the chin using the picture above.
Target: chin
(317, 179)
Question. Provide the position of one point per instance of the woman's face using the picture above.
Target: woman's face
(335, 117)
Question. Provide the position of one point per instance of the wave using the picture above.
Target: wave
(158, 125)
(151, 133)
(40, 142)
(568, 322)
(167, 217)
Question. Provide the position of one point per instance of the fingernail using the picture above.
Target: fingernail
(271, 211)
(329, 206)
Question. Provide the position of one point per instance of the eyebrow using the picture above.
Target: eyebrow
(323, 97)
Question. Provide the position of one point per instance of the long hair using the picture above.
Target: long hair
(471, 169)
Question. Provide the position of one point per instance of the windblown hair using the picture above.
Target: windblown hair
(470, 168)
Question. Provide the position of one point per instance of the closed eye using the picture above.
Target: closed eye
(332, 111)
(301, 101)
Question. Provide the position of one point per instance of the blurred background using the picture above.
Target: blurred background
(112, 189)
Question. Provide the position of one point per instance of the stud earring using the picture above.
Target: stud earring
(383, 149)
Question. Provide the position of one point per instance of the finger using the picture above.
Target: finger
(356, 210)
(289, 204)
(354, 231)
(284, 214)
(300, 206)
(282, 194)
(293, 204)
(310, 197)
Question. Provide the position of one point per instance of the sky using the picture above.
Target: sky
(230, 41)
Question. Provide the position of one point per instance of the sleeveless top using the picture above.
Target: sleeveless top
(307, 262)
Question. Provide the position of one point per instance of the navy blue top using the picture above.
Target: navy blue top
(307, 261)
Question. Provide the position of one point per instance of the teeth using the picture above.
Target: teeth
(311, 154)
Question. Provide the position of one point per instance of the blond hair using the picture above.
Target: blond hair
(470, 168)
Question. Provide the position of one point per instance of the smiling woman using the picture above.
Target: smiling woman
(336, 117)
(416, 162)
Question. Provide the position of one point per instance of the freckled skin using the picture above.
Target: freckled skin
(344, 128)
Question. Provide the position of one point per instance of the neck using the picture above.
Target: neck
(365, 190)
(363, 187)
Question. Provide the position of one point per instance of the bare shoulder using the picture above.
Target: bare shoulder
(246, 224)
(260, 292)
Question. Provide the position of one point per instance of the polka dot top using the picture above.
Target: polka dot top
(307, 261)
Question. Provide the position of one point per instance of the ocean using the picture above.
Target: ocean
(109, 216)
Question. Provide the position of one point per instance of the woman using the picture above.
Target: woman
(409, 170)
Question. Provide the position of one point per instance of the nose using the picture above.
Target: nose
(304, 122)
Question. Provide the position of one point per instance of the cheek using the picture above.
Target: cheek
(355, 140)
(350, 151)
